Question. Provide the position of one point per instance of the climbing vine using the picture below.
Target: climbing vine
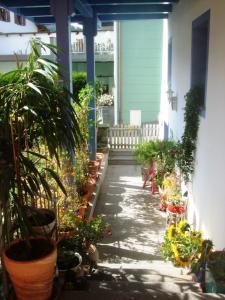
(194, 103)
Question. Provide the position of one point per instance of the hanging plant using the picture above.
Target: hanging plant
(194, 103)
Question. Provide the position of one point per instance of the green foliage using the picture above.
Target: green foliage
(34, 111)
(163, 152)
(216, 264)
(187, 147)
(181, 245)
(79, 80)
(91, 231)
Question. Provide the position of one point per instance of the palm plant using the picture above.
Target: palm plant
(34, 110)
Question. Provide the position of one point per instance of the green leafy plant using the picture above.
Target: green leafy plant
(91, 231)
(216, 264)
(187, 146)
(163, 152)
(34, 111)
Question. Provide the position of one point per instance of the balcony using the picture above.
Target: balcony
(103, 50)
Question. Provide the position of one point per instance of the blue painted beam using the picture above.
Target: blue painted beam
(34, 12)
(114, 2)
(62, 11)
(105, 18)
(84, 8)
(119, 9)
(121, 17)
(25, 3)
(51, 20)
(90, 30)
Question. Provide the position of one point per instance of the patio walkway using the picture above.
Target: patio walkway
(131, 266)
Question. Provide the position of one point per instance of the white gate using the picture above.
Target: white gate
(127, 136)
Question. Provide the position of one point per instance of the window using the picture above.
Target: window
(19, 20)
(169, 78)
(200, 45)
(4, 15)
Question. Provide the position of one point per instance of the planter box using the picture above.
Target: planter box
(106, 115)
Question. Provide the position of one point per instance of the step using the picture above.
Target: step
(154, 295)
(121, 152)
(122, 161)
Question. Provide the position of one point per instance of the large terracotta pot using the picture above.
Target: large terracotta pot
(33, 279)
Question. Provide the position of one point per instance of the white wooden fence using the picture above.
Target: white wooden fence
(127, 137)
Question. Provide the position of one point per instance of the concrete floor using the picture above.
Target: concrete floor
(137, 231)
(131, 266)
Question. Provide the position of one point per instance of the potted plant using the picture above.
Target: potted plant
(181, 244)
(68, 256)
(42, 220)
(34, 110)
(214, 279)
(163, 153)
(172, 195)
(90, 232)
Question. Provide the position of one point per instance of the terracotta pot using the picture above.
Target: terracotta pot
(178, 209)
(32, 279)
(48, 228)
(100, 155)
(93, 168)
(62, 235)
(86, 198)
(99, 158)
(93, 254)
(81, 212)
(90, 185)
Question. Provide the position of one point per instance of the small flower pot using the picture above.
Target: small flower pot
(93, 167)
(176, 209)
(90, 185)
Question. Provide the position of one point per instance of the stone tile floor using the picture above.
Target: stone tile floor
(131, 266)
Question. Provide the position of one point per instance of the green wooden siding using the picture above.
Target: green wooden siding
(140, 56)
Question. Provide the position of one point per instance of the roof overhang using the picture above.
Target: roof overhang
(106, 10)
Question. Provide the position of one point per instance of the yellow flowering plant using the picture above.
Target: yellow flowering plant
(181, 244)
(171, 189)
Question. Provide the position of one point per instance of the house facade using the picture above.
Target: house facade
(197, 55)
(139, 71)
(15, 38)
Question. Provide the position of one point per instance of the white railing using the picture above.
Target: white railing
(79, 47)
(127, 137)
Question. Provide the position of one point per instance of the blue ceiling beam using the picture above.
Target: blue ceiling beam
(51, 20)
(33, 12)
(25, 3)
(84, 8)
(127, 17)
(120, 9)
(121, 2)
(105, 18)
(45, 11)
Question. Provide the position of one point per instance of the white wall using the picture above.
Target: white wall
(6, 27)
(207, 206)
